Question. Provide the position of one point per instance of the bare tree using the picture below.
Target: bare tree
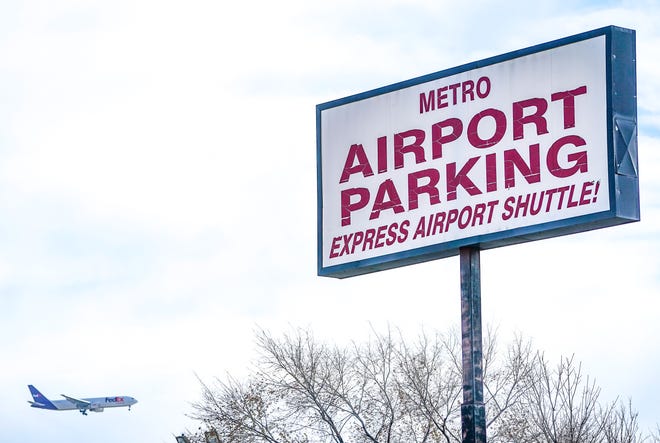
(655, 435)
(372, 402)
(507, 380)
(297, 369)
(246, 413)
(621, 425)
(430, 384)
(564, 405)
(386, 390)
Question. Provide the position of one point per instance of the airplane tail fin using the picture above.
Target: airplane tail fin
(40, 400)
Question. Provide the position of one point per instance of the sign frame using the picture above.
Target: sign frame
(622, 160)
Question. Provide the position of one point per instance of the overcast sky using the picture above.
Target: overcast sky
(158, 200)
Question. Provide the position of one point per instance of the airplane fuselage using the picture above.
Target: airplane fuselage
(95, 403)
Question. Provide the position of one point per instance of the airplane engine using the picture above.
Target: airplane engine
(97, 409)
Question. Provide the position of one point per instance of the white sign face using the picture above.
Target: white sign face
(494, 149)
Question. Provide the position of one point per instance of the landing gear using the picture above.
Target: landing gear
(83, 411)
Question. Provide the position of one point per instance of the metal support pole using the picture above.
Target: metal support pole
(473, 411)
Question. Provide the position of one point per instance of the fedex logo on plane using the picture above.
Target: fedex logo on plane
(114, 399)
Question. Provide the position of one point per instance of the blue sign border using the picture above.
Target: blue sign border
(621, 147)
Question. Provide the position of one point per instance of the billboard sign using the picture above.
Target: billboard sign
(532, 144)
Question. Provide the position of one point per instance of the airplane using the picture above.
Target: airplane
(96, 404)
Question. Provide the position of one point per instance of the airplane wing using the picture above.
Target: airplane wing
(80, 404)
